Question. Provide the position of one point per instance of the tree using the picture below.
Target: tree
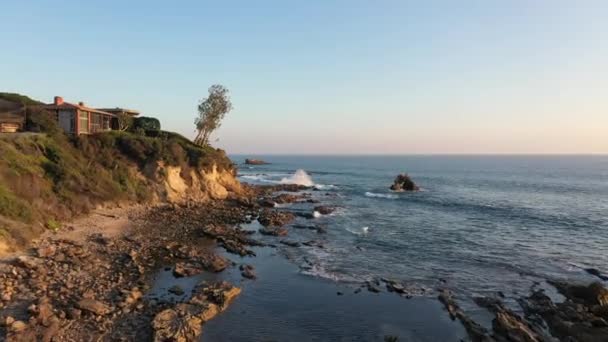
(124, 121)
(211, 111)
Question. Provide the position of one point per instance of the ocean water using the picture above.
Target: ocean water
(482, 223)
(479, 226)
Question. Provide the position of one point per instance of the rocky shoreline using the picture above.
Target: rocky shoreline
(95, 284)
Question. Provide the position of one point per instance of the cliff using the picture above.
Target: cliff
(46, 178)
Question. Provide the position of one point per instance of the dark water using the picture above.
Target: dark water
(481, 224)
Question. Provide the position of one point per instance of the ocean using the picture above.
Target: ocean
(480, 225)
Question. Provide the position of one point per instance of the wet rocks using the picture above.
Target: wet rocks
(590, 295)
(324, 209)
(185, 270)
(176, 290)
(93, 306)
(247, 271)
(403, 182)
(273, 218)
(290, 243)
(507, 324)
(475, 331)
(274, 231)
(45, 251)
(597, 273)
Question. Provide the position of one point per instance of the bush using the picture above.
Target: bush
(146, 124)
(38, 120)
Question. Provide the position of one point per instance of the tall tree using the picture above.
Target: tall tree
(211, 111)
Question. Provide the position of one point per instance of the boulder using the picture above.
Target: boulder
(255, 162)
(93, 306)
(403, 182)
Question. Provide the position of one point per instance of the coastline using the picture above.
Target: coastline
(161, 272)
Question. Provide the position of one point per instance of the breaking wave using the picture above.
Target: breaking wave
(376, 195)
(300, 177)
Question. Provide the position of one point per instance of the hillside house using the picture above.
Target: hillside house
(79, 119)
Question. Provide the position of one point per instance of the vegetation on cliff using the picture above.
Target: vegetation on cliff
(48, 177)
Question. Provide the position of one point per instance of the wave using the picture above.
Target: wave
(376, 195)
(361, 231)
(325, 186)
(300, 177)
(258, 178)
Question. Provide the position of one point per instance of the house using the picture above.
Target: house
(12, 116)
(79, 119)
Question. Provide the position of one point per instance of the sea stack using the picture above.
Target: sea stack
(255, 162)
(403, 182)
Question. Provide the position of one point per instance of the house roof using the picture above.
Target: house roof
(118, 110)
(67, 105)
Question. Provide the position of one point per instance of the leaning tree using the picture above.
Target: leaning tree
(211, 111)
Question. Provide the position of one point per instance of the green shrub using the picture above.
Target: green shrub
(13, 207)
(38, 120)
(146, 124)
(53, 225)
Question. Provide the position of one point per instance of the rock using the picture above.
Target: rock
(45, 251)
(290, 243)
(513, 327)
(27, 262)
(186, 270)
(596, 272)
(274, 231)
(18, 326)
(179, 325)
(475, 331)
(255, 162)
(247, 271)
(216, 263)
(266, 203)
(93, 306)
(593, 294)
(176, 290)
(371, 287)
(273, 218)
(324, 210)
(404, 183)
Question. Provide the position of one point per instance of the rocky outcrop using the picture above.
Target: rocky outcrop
(273, 218)
(583, 316)
(195, 185)
(184, 321)
(255, 162)
(403, 182)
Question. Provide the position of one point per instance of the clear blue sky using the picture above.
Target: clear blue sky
(330, 76)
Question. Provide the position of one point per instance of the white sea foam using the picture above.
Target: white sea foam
(300, 177)
(325, 186)
(316, 214)
(376, 195)
(361, 231)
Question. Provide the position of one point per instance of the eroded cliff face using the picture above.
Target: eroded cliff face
(179, 184)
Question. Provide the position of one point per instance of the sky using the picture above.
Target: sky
(330, 77)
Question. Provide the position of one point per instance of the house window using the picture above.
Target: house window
(95, 122)
(83, 121)
(106, 123)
